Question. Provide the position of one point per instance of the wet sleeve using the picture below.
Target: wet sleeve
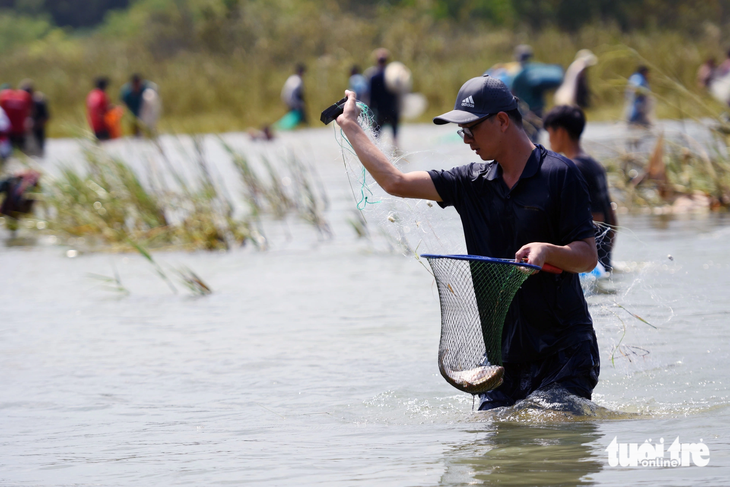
(576, 221)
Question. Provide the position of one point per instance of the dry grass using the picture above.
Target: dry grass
(220, 74)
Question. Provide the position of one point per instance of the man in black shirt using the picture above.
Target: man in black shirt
(565, 125)
(527, 203)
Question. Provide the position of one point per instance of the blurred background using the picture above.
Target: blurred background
(220, 64)
(225, 299)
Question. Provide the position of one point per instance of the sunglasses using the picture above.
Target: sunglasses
(465, 132)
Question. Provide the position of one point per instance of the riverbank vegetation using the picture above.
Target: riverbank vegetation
(106, 202)
(220, 64)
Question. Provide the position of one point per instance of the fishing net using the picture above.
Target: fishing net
(401, 225)
(475, 293)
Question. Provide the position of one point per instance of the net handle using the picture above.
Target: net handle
(551, 269)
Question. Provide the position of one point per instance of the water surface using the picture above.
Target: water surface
(315, 362)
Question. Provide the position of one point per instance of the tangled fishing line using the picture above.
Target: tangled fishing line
(407, 226)
(473, 291)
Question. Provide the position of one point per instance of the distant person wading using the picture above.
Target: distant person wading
(383, 101)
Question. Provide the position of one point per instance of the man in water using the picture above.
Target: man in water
(526, 203)
(565, 125)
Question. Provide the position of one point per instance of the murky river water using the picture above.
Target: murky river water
(315, 362)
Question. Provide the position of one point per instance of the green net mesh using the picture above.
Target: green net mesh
(475, 294)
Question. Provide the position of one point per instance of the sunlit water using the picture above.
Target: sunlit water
(315, 362)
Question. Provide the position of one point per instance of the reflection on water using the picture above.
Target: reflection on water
(510, 453)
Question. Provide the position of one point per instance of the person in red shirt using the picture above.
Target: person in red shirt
(17, 105)
(97, 106)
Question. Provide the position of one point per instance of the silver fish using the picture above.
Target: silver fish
(474, 381)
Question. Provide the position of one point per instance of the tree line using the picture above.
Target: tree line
(566, 14)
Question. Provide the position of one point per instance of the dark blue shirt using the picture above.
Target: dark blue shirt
(595, 176)
(550, 204)
(383, 102)
(133, 99)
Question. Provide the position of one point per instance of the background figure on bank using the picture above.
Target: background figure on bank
(638, 98)
(17, 105)
(292, 94)
(39, 116)
(97, 108)
(131, 96)
(724, 67)
(575, 89)
(565, 125)
(718, 82)
(530, 85)
(706, 73)
(383, 101)
(5, 148)
(359, 84)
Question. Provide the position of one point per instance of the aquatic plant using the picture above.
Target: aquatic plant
(293, 186)
(110, 283)
(104, 200)
(651, 172)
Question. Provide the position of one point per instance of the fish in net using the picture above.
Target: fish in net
(475, 293)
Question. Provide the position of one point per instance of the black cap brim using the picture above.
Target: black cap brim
(458, 116)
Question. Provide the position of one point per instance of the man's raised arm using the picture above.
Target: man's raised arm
(416, 184)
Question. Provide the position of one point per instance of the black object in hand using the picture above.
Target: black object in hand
(333, 112)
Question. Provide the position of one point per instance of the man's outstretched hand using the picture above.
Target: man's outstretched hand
(351, 111)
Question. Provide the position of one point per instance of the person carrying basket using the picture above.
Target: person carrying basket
(523, 202)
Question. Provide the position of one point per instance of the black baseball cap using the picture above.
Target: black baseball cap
(478, 98)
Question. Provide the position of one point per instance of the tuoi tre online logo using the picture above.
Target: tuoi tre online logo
(655, 455)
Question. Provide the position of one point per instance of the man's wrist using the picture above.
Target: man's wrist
(348, 125)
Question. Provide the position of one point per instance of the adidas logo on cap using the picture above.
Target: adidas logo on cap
(468, 102)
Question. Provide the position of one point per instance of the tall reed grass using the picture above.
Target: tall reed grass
(104, 200)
